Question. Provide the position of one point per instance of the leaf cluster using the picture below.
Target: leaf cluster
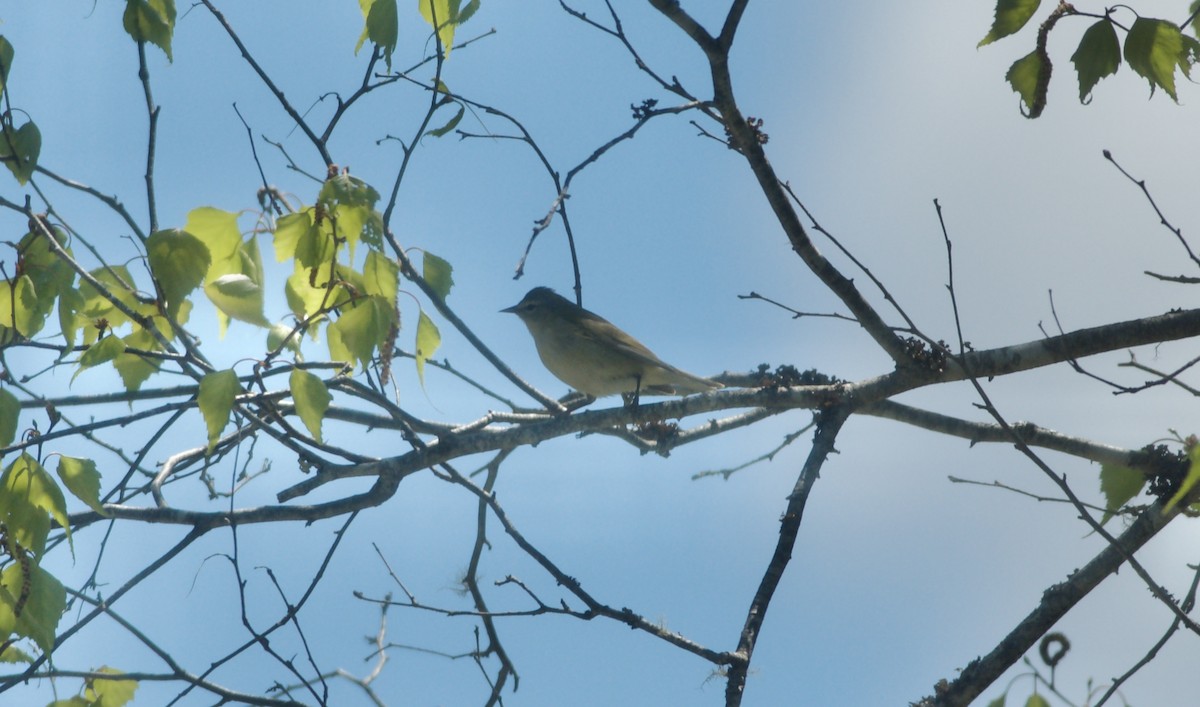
(1155, 49)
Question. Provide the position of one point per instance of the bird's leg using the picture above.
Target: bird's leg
(633, 399)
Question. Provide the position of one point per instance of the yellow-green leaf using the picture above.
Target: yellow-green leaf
(82, 479)
(239, 297)
(381, 27)
(41, 599)
(360, 330)
(6, 61)
(100, 352)
(28, 497)
(1011, 16)
(438, 273)
(50, 274)
(442, 15)
(218, 390)
(106, 692)
(151, 21)
(381, 275)
(116, 283)
(10, 409)
(12, 654)
(1098, 55)
(281, 334)
(134, 367)
(1118, 484)
(449, 125)
(428, 341)
(1154, 48)
(218, 230)
(19, 306)
(289, 229)
(19, 148)
(1028, 77)
(312, 399)
(69, 304)
(179, 262)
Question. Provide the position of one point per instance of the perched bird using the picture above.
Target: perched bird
(593, 356)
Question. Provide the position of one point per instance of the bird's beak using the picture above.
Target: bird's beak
(510, 310)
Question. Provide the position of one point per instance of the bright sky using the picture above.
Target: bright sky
(873, 110)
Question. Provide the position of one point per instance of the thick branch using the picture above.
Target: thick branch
(1056, 602)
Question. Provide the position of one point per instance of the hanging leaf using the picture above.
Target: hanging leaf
(81, 479)
(1011, 16)
(1028, 77)
(312, 399)
(438, 273)
(381, 26)
(1098, 55)
(428, 341)
(1154, 49)
(1119, 484)
(151, 21)
(218, 390)
(10, 409)
(19, 148)
(179, 262)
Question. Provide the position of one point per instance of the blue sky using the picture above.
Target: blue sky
(873, 110)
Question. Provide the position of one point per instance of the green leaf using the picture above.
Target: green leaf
(28, 498)
(998, 702)
(179, 262)
(217, 393)
(106, 692)
(234, 279)
(82, 479)
(316, 247)
(1192, 12)
(359, 331)
(280, 333)
(312, 400)
(443, 17)
(151, 21)
(100, 352)
(428, 341)
(12, 654)
(1036, 700)
(115, 282)
(1098, 55)
(239, 297)
(381, 27)
(341, 188)
(1118, 484)
(69, 304)
(438, 273)
(1011, 16)
(50, 274)
(1026, 78)
(289, 230)
(10, 409)
(1189, 481)
(6, 61)
(19, 148)
(450, 124)
(40, 598)
(381, 276)
(134, 368)
(218, 230)
(1154, 48)
(19, 306)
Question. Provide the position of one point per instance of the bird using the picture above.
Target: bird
(594, 356)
